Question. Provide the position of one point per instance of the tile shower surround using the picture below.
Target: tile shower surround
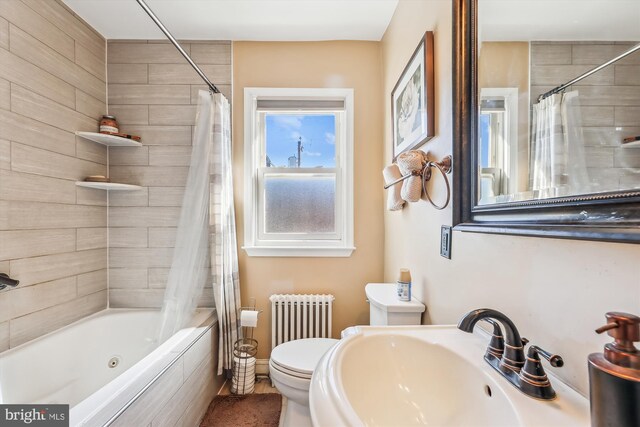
(609, 101)
(153, 93)
(53, 234)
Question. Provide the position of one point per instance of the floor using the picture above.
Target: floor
(263, 385)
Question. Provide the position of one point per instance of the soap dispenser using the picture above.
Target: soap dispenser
(614, 376)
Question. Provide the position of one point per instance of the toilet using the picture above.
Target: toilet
(290, 368)
(292, 363)
(386, 309)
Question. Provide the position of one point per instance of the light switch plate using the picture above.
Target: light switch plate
(445, 241)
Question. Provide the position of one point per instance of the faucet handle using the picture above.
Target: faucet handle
(496, 345)
(554, 360)
(533, 378)
(533, 372)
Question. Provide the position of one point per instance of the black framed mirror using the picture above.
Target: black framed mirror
(533, 154)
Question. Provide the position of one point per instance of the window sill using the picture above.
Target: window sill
(298, 251)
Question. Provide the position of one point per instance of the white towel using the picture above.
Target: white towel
(390, 174)
(410, 161)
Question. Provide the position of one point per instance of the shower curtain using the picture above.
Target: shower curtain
(224, 254)
(205, 252)
(557, 160)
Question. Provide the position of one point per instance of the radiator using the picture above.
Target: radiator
(300, 316)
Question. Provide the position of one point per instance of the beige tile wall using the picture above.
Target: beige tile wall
(52, 233)
(609, 99)
(153, 94)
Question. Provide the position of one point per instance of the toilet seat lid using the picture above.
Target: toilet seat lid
(301, 356)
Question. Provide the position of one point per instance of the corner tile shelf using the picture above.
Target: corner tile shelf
(109, 140)
(635, 144)
(108, 186)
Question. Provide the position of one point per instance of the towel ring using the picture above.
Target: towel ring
(444, 166)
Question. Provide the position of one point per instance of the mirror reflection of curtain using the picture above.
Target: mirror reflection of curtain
(558, 164)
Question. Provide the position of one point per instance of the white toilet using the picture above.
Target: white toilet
(386, 309)
(292, 363)
(290, 367)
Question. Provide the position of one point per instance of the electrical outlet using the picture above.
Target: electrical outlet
(445, 241)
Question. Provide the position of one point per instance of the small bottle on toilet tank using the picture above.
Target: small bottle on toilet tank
(404, 285)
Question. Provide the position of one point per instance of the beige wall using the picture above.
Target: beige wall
(506, 64)
(53, 234)
(321, 64)
(153, 93)
(556, 291)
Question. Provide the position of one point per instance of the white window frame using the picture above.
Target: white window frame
(341, 244)
(510, 125)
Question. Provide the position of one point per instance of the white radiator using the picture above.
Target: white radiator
(300, 316)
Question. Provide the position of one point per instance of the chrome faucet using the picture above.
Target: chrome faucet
(5, 281)
(507, 355)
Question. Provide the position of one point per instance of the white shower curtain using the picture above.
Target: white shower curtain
(557, 160)
(189, 271)
(224, 262)
(205, 250)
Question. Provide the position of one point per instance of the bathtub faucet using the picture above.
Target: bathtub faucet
(528, 377)
(5, 281)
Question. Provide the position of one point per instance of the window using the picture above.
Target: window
(498, 135)
(298, 172)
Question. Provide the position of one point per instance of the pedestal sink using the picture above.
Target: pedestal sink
(408, 376)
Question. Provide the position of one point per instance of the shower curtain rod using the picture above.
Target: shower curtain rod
(166, 32)
(588, 73)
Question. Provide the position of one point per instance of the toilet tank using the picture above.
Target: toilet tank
(386, 309)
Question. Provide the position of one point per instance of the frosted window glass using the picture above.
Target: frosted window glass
(300, 140)
(300, 204)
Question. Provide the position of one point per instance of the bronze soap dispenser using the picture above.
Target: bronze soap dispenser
(614, 376)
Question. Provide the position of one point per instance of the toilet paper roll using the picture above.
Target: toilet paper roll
(249, 318)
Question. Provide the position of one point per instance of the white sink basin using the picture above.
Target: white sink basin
(407, 376)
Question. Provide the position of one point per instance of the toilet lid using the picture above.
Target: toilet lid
(301, 356)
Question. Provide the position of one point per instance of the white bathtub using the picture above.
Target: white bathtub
(75, 365)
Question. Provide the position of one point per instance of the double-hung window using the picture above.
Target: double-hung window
(298, 172)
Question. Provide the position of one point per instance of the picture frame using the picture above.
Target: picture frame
(412, 100)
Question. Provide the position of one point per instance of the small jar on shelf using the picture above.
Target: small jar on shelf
(109, 125)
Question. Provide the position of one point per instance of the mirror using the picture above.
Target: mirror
(547, 117)
(540, 137)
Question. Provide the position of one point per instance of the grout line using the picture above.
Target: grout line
(108, 228)
(106, 75)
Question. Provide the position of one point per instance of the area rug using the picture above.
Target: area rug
(244, 411)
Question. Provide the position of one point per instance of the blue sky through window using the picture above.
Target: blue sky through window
(318, 139)
(485, 126)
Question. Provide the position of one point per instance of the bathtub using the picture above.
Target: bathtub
(110, 370)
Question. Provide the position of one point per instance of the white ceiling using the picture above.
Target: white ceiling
(526, 20)
(273, 20)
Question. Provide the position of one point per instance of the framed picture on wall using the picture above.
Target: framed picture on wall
(412, 100)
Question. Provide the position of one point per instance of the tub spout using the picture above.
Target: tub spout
(5, 281)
